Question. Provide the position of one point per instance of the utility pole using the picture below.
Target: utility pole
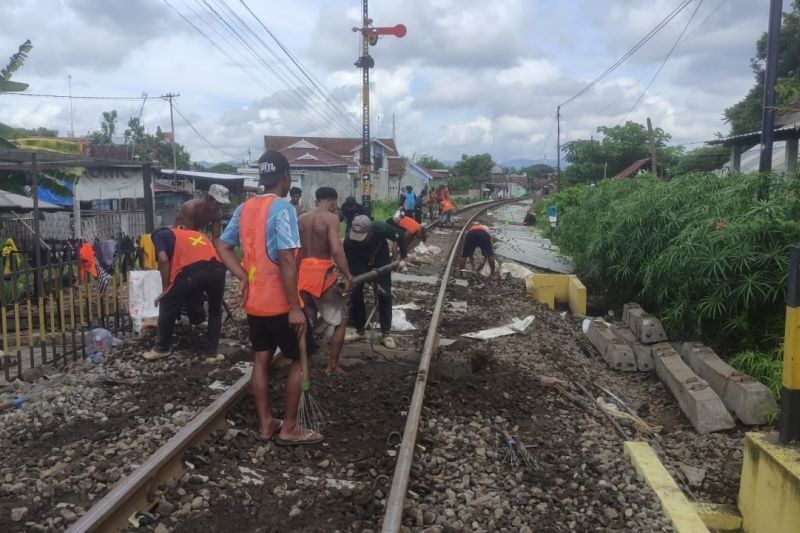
(369, 37)
(558, 147)
(770, 80)
(653, 161)
(170, 96)
(71, 121)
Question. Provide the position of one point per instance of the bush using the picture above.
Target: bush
(765, 367)
(701, 250)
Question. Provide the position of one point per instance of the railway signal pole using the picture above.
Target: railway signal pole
(369, 37)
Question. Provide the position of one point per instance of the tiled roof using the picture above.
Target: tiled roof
(310, 157)
(343, 146)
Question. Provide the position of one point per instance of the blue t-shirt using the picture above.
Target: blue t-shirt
(410, 202)
(282, 230)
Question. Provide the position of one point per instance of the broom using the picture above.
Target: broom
(309, 413)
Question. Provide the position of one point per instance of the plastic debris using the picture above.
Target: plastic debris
(458, 306)
(411, 306)
(516, 326)
(516, 271)
(99, 342)
(400, 322)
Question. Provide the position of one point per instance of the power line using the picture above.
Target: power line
(251, 46)
(311, 78)
(664, 62)
(186, 120)
(136, 98)
(658, 27)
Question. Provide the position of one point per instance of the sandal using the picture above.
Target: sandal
(310, 437)
(259, 438)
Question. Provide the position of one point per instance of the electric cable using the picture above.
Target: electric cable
(188, 123)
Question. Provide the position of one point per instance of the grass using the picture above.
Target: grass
(766, 367)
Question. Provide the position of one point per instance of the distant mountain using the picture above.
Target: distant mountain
(522, 163)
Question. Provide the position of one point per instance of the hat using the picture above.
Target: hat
(219, 193)
(360, 228)
(272, 162)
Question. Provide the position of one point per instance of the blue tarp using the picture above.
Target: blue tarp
(49, 196)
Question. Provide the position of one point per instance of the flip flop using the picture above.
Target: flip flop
(259, 438)
(305, 439)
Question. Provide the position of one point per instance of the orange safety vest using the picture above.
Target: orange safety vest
(190, 247)
(87, 260)
(480, 227)
(447, 206)
(265, 295)
(409, 224)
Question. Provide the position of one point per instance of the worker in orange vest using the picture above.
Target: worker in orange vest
(478, 236)
(266, 229)
(414, 232)
(190, 269)
(446, 209)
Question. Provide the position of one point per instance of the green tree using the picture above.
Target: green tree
(745, 115)
(620, 146)
(538, 170)
(702, 159)
(428, 161)
(469, 169)
(223, 168)
(108, 126)
(144, 144)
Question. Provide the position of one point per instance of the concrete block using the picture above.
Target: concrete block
(576, 295)
(545, 294)
(620, 356)
(626, 309)
(623, 334)
(696, 398)
(769, 489)
(600, 335)
(644, 356)
(648, 328)
(742, 394)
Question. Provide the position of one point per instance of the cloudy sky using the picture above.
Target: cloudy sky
(470, 76)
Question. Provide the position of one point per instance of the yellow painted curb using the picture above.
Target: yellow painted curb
(675, 505)
(720, 517)
(550, 289)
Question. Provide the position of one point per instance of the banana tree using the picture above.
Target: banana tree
(14, 62)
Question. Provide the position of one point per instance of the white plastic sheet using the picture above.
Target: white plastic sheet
(516, 271)
(144, 286)
(400, 322)
(516, 326)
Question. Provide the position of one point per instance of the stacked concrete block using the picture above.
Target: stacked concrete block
(614, 348)
(749, 399)
(644, 356)
(646, 327)
(698, 401)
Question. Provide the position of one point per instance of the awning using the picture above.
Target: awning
(16, 202)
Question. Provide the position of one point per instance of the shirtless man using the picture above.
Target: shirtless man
(198, 214)
(319, 238)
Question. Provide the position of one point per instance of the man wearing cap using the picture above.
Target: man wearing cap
(190, 269)
(366, 248)
(266, 229)
(322, 251)
(200, 215)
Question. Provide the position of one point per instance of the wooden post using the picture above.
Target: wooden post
(653, 159)
(149, 215)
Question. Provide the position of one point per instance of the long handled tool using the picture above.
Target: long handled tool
(309, 413)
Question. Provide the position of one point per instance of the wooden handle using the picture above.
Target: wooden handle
(303, 359)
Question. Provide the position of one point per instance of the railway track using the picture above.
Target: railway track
(137, 498)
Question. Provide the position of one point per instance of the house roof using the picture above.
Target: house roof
(300, 156)
(633, 167)
(165, 187)
(790, 131)
(343, 146)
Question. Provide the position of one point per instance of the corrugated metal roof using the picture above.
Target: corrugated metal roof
(633, 167)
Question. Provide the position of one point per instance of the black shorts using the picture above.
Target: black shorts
(477, 239)
(270, 332)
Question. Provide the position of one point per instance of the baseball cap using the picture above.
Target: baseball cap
(272, 162)
(219, 193)
(360, 228)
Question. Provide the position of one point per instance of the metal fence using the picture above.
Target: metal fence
(47, 312)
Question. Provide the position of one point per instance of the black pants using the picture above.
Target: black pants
(358, 311)
(188, 290)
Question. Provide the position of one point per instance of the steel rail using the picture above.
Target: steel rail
(393, 516)
(132, 493)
